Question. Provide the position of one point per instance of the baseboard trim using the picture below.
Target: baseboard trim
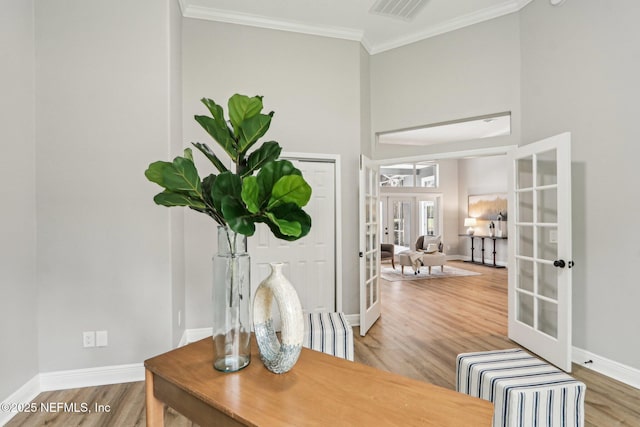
(25, 394)
(183, 339)
(353, 319)
(607, 367)
(90, 377)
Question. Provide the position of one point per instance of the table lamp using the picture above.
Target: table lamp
(470, 222)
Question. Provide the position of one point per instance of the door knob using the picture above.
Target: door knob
(559, 263)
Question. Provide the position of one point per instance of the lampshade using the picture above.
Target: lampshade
(470, 222)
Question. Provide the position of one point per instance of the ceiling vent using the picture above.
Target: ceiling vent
(399, 9)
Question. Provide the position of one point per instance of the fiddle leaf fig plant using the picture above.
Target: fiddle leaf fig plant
(261, 189)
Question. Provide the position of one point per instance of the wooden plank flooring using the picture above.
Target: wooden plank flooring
(424, 325)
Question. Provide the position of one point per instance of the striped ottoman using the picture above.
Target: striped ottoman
(329, 333)
(525, 391)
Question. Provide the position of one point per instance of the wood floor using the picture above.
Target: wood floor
(423, 326)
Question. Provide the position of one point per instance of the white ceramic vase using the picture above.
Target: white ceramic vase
(278, 356)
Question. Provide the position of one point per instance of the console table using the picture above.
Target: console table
(319, 390)
(494, 238)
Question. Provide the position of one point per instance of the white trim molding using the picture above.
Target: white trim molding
(23, 395)
(453, 24)
(90, 377)
(63, 380)
(189, 10)
(231, 17)
(353, 319)
(607, 367)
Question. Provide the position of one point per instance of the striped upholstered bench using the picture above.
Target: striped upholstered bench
(329, 333)
(525, 391)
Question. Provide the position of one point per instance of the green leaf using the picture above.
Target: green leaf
(238, 217)
(272, 172)
(155, 172)
(216, 111)
(251, 194)
(290, 213)
(169, 198)
(288, 228)
(179, 176)
(252, 129)
(220, 133)
(207, 185)
(290, 189)
(241, 107)
(182, 176)
(208, 152)
(188, 154)
(268, 152)
(226, 184)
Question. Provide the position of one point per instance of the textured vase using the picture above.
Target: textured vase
(231, 302)
(278, 356)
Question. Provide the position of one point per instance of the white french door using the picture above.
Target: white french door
(540, 257)
(369, 198)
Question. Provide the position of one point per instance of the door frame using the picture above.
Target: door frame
(335, 159)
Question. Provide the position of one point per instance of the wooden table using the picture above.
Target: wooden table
(320, 390)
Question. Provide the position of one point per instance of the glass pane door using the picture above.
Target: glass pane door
(540, 260)
(369, 244)
(536, 246)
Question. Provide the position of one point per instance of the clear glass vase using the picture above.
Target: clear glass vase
(231, 302)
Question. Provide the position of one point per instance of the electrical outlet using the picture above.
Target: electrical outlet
(101, 338)
(89, 339)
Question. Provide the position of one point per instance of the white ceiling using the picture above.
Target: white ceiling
(351, 19)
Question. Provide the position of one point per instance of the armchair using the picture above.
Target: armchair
(387, 252)
(431, 257)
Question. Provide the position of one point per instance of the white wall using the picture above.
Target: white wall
(580, 68)
(483, 175)
(465, 73)
(313, 85)
(18, 329)
(365, 103)
(103, 91)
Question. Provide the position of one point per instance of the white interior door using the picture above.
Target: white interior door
(369, 244)
(310, 262)
(540, 257)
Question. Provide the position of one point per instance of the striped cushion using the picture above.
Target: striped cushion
(525, 391)
(329, 333)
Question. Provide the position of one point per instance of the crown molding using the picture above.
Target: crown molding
(453, 24)
(219, 15)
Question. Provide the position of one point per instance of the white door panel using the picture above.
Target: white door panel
(310, 261)
(369, 198)
(540, 254)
